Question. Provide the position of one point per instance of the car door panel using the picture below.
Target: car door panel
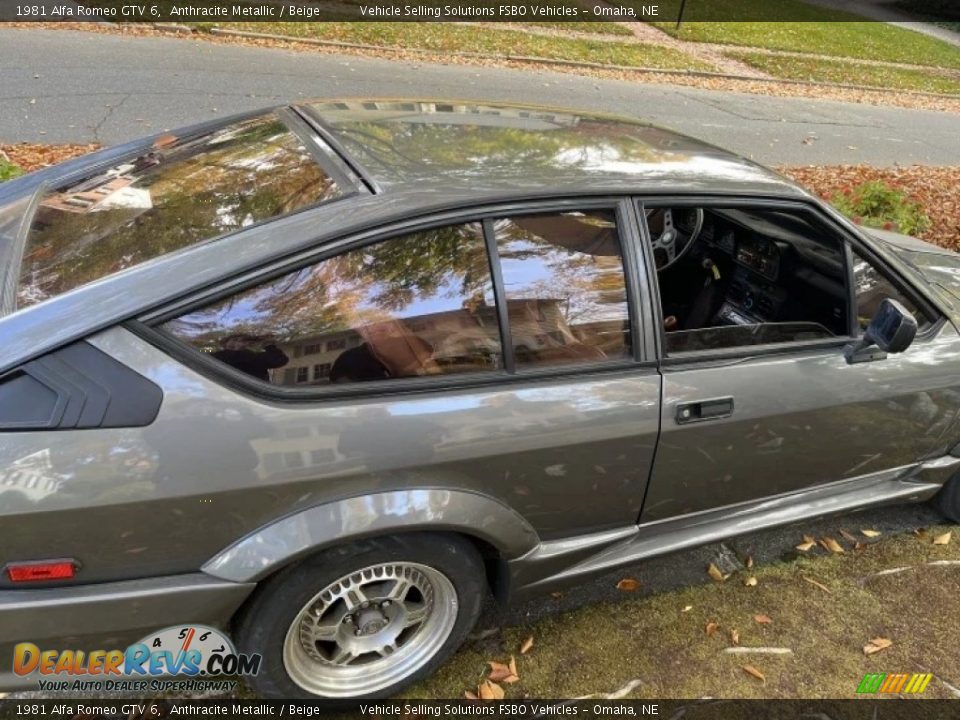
(801, 419)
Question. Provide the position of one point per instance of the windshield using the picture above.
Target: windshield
(183, 191)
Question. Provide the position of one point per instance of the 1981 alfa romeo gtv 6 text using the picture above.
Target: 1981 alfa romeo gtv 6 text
(325, 375)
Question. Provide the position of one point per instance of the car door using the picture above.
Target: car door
(752, 412)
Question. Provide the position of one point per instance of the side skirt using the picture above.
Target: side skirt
(563, 562)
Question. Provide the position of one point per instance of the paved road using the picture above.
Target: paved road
(63, 86)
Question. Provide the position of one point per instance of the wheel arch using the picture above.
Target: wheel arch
(497, 531)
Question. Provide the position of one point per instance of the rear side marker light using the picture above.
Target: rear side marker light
(41, 571)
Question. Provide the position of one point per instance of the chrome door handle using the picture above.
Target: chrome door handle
(702, 410)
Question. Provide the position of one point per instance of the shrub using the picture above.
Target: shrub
(8, 170)
(876, 204)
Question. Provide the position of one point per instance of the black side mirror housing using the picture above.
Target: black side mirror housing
(891, 330)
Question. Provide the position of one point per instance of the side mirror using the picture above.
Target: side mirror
(892, 330)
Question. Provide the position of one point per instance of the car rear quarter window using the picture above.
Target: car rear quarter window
(183, 191)
(405, 307)
(565, 288)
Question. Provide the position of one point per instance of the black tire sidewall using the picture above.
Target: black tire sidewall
(262, 624)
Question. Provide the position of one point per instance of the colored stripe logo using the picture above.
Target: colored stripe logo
(894, 683)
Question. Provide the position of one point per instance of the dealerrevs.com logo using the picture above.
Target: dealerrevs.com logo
(189, 653)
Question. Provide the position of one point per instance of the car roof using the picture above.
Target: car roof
(413, 159)
(435, 147)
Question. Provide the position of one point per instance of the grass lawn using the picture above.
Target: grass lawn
(664, 640)
(864, 40)
(444, 37)
(887, 78)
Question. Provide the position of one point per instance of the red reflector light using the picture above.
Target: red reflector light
(39, 571)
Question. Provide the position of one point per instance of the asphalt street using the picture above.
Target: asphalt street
(66, 86)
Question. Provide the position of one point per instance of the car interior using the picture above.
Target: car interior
(732, 277)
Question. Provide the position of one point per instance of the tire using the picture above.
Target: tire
(424, 594)
(947, 500)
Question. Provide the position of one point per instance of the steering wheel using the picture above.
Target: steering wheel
(672, 233)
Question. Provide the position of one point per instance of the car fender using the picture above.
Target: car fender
(290, 538)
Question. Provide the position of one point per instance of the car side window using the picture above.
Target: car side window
(565, 289)
(736, 277)
(872, 287)
(404, 307)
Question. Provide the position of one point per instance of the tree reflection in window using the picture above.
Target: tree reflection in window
(183, 191)
(565, 287)
(405, 307)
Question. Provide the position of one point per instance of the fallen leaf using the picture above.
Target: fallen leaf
(847, 536)
(498, 671)
(490, 691)
(556, 595)
(469, 695)
(762, 619)
(628, 585)
(714, 572)
(942, 539)
(817, 584)
(734, 637)
(687, 608)
(750, 581)
(871, 533)
(919, 532)
(711, 628)
(876, 645)
(807, 544)
(749, 562)
(751, 670)
(513, 666)
(526, 646)
(832, 545)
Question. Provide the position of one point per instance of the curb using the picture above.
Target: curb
(222, 32)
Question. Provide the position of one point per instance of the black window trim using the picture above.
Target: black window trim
(735, 353)
(638, 300)
(748, 352)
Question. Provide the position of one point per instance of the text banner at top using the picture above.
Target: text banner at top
(669, 11)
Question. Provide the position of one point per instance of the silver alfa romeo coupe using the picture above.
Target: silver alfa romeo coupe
(324, 376)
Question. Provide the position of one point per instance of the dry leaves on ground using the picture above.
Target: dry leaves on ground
(711, 628)
(832, 545)
(526, 646)
(808, 544)
(503, 673)
(848, 537)
(734, 637)
(876, 645)
(35, 156)
(714, 572)
(751, 670)
(628, 585)
(489, 691)
(935, 188)
(762, 619)
(871, 533)
(942, 539)
(750, 581)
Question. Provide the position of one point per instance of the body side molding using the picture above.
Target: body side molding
(551, 565)
(268, 549)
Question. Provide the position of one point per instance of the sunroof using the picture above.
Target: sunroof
(184, 191)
